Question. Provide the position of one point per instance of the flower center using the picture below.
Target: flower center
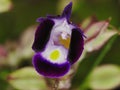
(65, 42)
(54, 55)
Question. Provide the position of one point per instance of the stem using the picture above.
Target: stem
(55, 84)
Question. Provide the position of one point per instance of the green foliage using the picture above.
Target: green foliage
(105, 77)
(5, 5)
(26, 78)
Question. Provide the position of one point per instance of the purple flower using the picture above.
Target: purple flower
(58, 44)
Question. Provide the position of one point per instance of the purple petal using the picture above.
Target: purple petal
(40, 19)
(42, 35)
(67, 11)
(54, 17)
(76, 45)
(48, 69)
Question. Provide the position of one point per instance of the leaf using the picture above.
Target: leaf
(27, 39)
(23, 49)
(99, 41)
(26, 79)
(87, 22)
(5, 5)
(105, 77)
(97, 35)
(95, 29)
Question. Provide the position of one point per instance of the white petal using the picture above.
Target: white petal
(60, 29)
(62, 57)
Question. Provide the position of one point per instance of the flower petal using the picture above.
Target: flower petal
(42, 35)
(48, 69)
(40, 19)
(67, 11)
(76, 45)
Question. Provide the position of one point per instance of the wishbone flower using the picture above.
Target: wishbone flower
(58, 44)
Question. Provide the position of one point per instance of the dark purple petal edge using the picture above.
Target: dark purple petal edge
(67, 11)
(48, 69)
(42, 34)
(76, 45)
(40, 19)
(65, 14)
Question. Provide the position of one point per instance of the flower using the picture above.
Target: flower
(58, 44)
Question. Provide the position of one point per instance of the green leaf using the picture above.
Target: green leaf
(105, 77)
(97, 42)
(27, 79)
(5, 5)
(87, 22)
(96, 28)
(23, 50)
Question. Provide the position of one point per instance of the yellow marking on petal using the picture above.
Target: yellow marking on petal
(55, 55)
(65, 42)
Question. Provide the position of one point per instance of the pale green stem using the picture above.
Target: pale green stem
(55, 84)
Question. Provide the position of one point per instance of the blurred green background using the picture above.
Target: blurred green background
(23, 13)
(17, 16)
